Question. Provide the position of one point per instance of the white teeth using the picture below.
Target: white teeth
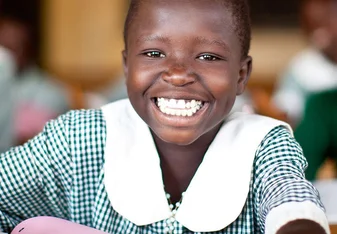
(179, 107)
(193, 102)
(172, 102)
(181, 104)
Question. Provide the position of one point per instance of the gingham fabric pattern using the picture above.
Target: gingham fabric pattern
(60, 173)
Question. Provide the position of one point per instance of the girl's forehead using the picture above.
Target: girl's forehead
(175, 7)
(177, 14)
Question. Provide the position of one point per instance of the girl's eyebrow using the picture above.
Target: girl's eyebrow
(198, 40)
(206, 41)
(153, 38)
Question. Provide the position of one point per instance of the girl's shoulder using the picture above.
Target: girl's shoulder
(79, 128)
(83, 118)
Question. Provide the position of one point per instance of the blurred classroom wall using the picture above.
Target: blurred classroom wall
(277, 36)
(82, 42)
(272, 48)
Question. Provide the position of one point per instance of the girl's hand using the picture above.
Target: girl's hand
(301, 226)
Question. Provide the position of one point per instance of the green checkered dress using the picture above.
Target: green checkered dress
(60, 173)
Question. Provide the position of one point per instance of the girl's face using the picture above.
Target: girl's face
(184, 68)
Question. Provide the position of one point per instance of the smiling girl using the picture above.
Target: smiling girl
(170, 159)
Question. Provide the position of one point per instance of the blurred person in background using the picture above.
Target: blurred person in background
(307, 93)
(34, 96)
(314, 69)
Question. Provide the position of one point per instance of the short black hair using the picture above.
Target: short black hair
(240, 12)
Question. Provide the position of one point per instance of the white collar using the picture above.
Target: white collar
(217, 192)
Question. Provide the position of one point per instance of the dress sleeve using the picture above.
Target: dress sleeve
(281, 192)
(35, 178)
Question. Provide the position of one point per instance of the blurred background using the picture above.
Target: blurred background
(58, 55)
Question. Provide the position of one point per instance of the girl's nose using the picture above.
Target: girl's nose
(178, 76)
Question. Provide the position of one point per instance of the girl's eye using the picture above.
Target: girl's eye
(208, 57)
(155, 54)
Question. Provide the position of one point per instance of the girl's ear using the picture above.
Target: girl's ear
(125, 63)
(244, 74)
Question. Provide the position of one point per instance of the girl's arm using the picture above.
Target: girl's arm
(34, 177)
(284, 200)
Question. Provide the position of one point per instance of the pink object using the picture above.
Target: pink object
(30, 120)
(51, 225)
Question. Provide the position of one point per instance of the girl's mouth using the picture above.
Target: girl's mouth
(178, 107)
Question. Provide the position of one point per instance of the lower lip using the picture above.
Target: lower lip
(179, 121)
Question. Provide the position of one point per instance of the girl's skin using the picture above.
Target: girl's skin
(187, 50)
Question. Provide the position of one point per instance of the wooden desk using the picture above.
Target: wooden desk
(333, 229)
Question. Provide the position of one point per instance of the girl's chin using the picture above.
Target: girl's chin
(177, 137)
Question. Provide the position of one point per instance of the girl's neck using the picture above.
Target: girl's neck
(179, 163)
